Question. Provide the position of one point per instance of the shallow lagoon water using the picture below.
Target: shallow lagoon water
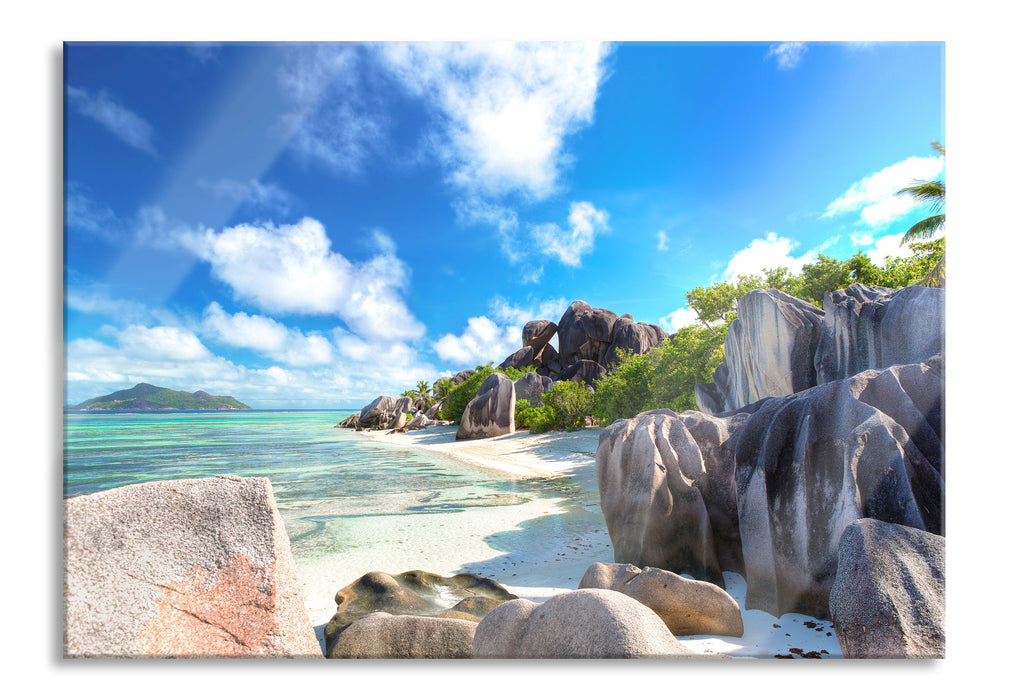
(350, 505)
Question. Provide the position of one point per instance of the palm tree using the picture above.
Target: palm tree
(932, 193)
(423, 398)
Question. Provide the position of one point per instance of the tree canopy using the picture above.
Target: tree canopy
(932, 193)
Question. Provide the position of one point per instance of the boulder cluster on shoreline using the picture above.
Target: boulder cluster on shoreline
(815, 469)
(589, 340)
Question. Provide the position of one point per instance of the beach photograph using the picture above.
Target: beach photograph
(486, 356)
(422, 350)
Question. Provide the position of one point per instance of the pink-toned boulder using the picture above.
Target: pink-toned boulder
(182, 568)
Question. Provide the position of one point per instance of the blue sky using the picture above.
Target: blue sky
(306, 225)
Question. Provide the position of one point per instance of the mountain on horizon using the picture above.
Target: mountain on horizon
(147, 397)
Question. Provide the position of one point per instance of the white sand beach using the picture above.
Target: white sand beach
(562, 554)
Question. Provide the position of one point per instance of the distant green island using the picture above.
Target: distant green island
(147, 397)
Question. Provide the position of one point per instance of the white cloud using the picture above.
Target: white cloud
(253, 193)
(332, 120)
(482, 341)
(493, 338)
(787, 53)
(267, 337)
(662, 240)
(678, 319)
(514, 314)
(165, 343)
(472, 210)
(292, 269)
(862, 238)
(766, 253)
(887, 245)
(127, 126)
(506, 108)
(91, 298)
(84, 214)
(175, 358)
(875, 196)
(381, 367)
(569, 245)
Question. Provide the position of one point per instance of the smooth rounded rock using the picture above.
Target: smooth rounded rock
(889, 597)
(583, 624)
(384, 636)
(492, 410)
(687, 607)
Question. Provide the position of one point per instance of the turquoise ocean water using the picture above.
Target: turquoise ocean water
(350, 505)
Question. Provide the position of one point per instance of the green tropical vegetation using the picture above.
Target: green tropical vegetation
(565, 407)
(458, 396)
(932, 193)
(421, 396)
(665, 376)
(147, 397)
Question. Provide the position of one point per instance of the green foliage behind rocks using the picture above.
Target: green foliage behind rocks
(664, 377)
(572, 402)
(459, 396)
(716, 303)
(535, 419)
(565, 407)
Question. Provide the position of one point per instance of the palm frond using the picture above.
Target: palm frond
(924, 229)
(936, 146)
(933, 192)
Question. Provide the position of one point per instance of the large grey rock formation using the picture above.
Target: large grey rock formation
(686, 606)
(769, 350)
(629, 336)
(492, 410)
(384, 412)
(461, 376)
(586, 371)
(523, 357)
(584, 333)
(536, 352)
(384, 636)
(888, 599)
(767, 491)
(710, 397)
(808, 465)
(582, 624)
(433, 412)
(182, 568)
(419, 422)
(531, 388)
(667, 492)
(875, 327)
(781, 345)
(537, 334)
(419, 593)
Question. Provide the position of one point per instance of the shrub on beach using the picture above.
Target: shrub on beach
(566, 406)
(459, 396)
(535, 419)
(662, 378)
(572, 402)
